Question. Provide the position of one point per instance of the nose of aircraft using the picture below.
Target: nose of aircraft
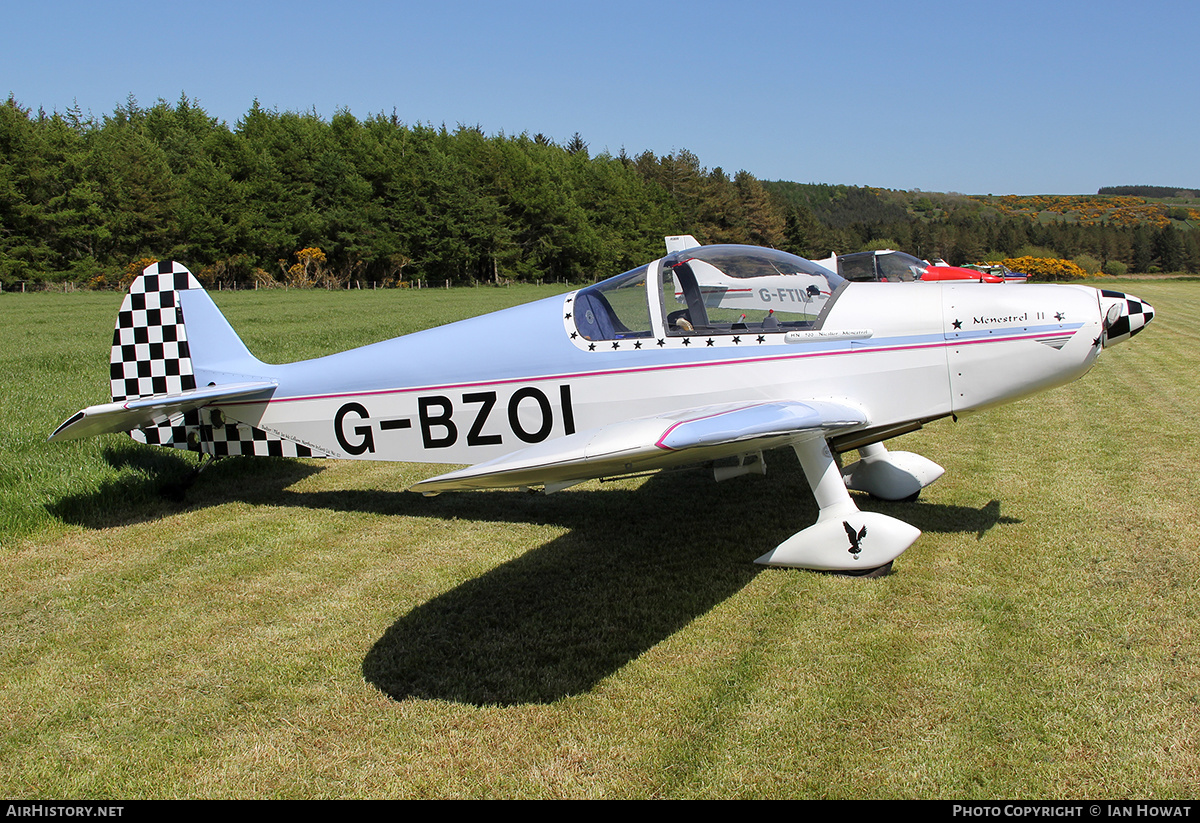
(1124, 315)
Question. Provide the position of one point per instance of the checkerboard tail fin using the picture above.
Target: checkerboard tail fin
(190, 366)
(150, 349)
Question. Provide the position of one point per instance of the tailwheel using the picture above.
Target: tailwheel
(177, 491)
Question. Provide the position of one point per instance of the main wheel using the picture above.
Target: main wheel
(869, 574)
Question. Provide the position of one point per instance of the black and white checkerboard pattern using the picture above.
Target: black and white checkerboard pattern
(241, 439)
(150, 351)
(1135, 317)
(150, 356)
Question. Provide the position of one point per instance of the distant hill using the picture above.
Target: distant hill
(1149, 191)
(1099, 209)
(841, 206)
(1109, 231)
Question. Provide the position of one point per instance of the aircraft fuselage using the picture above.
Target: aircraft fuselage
(474, 390)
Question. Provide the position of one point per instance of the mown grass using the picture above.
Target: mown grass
(309, 629)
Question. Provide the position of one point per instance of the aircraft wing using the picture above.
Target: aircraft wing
(126, 415)
(678, 438)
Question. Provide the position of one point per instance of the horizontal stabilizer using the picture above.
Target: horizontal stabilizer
(679, 438)
(137, 413)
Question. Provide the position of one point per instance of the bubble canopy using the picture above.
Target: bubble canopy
(745, 262)
(721, 289)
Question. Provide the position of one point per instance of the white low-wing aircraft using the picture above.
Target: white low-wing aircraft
(645, 370)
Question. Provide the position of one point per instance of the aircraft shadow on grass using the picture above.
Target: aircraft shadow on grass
(154, 483)
(633, 567)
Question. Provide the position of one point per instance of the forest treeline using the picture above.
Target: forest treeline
(286, 197)
(1148, 191)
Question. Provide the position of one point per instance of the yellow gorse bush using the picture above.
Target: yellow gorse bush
(1045, 268)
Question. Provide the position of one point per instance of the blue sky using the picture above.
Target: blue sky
(1017, 97)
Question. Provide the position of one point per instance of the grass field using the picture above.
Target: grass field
(309, 629)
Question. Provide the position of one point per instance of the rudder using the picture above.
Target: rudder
(152, 355)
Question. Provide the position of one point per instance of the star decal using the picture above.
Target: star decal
(737, 339)
(662, 342)
(709, 341)
(568, 317)
(616, 345)
(958, 324)
(574, 334)
(1059, 315)
(762, 339)
(687, 341)
(591, 346)
(637, 344)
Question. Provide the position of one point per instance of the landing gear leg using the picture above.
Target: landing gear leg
(843, 538)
